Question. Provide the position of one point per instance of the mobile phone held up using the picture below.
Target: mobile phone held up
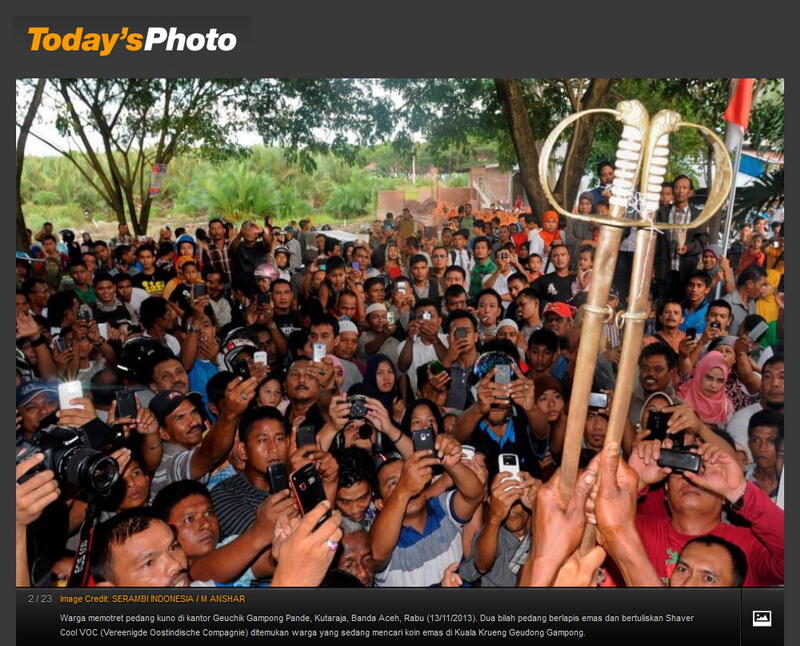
(320, 351)
(503, 375)
(306, 436)
(126, 404)
(508, 462)
(67, 391)
(260, 357)
(241, 369)
(691, 333)
(679, 461)
(424, 440)
(758, 331)
(278, 477)
(306, 486)
(657, 424)
(598, 400)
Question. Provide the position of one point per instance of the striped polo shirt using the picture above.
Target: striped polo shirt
(419, 559)
(235, 503)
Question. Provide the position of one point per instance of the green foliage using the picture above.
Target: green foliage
(760, 193)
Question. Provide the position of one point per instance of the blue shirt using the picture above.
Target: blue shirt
(696, 318)
(199, 375)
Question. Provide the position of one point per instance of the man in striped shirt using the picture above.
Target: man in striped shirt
(415, 539)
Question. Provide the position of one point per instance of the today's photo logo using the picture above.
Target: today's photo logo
(167, 39)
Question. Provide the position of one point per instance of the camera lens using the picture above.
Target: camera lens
(89, 469)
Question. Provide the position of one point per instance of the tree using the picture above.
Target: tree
(23, 243)
(118, 128)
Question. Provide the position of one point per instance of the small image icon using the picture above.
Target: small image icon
(762, 618)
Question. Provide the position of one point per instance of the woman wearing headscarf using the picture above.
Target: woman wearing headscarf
(381, 375)
(705, 391)
(717, 266)
(580, 233)
(767, 307)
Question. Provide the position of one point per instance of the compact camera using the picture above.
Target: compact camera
(358, 406)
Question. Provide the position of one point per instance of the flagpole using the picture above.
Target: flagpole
(731, 200)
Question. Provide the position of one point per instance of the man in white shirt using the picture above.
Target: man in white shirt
(460, 256)
(425, 342)
(772, 398)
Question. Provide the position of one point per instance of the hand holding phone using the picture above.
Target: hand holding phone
(241, 369)
(306, 486)
(424, 440)
(509, 462)
(278, 477)
(67, 391)
(320, 352)
(126, 404)
(260, 357)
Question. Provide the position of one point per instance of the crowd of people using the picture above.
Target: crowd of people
(271, 406)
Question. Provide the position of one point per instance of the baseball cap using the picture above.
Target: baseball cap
(166, 401)
(349, 326)
(560, 309)
(27, 391)
(375, 307)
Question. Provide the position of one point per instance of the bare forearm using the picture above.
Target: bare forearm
(44, 362)
(486, 546)
(227, 563)
(23, 577)
(386, 529)
(215, 446)
(407, 355)
(540, 427)
(467, 422)
(189, 350)
(152, 452)
(630, 556)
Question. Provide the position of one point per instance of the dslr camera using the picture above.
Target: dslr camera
(68, 454)
(358, 406)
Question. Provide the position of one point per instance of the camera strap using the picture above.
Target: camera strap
(80, 576)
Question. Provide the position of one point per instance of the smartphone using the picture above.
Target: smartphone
(306, 485)
(424, 440)
(67, 391)
(461, 332)
(263, 298)
(198, 290)
(306, 435)
(260, 357)
(390, 318)
(278, 477)
(679, 461)
(84, 315)
(657, 424)
(467, 452)
(387, 225)
(356, 266)
(126, 403)
(55, 330)
(426, 316)
(758, 331)
(102, 330)
(691, 332)
(241, 369)
(598, 400)
(320, 351)
(503, 374)
(436, 367)
(60, 343)
(509, 462)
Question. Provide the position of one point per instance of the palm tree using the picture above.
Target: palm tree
(758, 196)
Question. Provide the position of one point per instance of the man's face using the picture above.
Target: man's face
(559, 325)
(266, 445)
(696, 290)
(459, 241)
(105, 291)
(541, 358)
(137, 486)
(376, 293)
(125, 290)
(147, 258)
(377, 321)
(150, 559)
(772, 390)
(80, 275)
(170, 375)
(356, 557)
(488, 309)
(560, 258)
(20, 303)
(348, 306)
(434, 315)
(197, 525)
(517, 519)
(481, 250)
(665, 197)
(216, 231)
(387, 481)
(323, 333)
(468, 210)
(453, 303)
(320, 240)
(515, 287)
(49, 246)
(763, 442)
(214, 285)
(503, 234)
(606, 175)
(684, 497)
(190, 274)
(654, 373)
(755, 287)
(249, 233)
(36, 410)
(682, 191)
(300, 384)
(671, 316)
(184, 425)
(361, 256)
(509, 333)
(354, 500)
(102, 253)
(527, 307)
(536, 264)
(447, 237)
(699, 565)
(346, 345)
(719, 315)
(91, 263)
(453, 278)
(594, 432)
(122, 229)
(439, 258)
(282, 297)
(39, 295)
(281, 260)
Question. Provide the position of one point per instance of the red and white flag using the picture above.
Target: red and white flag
(737, 114)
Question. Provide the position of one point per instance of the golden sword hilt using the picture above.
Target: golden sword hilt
(643, 152)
